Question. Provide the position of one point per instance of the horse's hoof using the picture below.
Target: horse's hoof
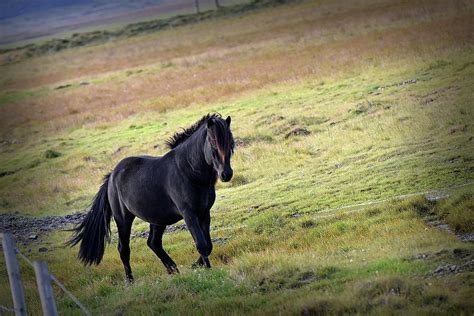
(129, 280)
(199, 265)
(172, 269)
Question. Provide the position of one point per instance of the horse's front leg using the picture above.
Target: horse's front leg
(205, 226)
(200, 231)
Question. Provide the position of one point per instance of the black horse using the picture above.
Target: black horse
(161, 191)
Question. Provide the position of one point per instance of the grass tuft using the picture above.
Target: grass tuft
(49, 154)
(458, 212)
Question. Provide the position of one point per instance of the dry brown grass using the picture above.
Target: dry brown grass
(311, 23)
(193, 65)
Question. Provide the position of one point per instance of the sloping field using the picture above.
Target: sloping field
(333, 103)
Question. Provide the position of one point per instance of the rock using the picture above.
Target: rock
(174, 228)
(469, 237)
(409, 81)
(169, 229)
(299, 131)
(420, 256)
(43, 249)
(219, 241)
(144, 234)
(22, 226)
(453, 268)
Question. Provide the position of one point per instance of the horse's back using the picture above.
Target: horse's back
(143, 172)
(134, 164)
(142, 182)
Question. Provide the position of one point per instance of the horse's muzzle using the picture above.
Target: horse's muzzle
(227, 175)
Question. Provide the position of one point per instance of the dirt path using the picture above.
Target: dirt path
(27, 229)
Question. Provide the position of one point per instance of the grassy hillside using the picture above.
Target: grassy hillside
(333, 103)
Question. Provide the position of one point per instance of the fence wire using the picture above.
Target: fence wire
(59, 284)
(4, 309)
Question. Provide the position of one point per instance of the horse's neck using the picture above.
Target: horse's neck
(191, 156)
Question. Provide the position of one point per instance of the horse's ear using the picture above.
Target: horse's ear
(210, 122)
(228, 120)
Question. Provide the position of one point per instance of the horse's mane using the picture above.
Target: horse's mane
(181, 136)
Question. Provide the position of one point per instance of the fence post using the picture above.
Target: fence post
(8, 244)
(43, 280)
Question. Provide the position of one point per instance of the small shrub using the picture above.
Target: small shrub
(342, 227)
(324, 306)
(51, 154)
(308, 223)
(419, 204)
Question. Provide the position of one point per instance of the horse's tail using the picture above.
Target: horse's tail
(94, 230)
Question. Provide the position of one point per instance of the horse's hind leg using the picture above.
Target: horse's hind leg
(123, 219)
(155, 243)
(124, 226)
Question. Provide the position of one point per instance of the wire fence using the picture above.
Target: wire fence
(4, 309)
(59, 284)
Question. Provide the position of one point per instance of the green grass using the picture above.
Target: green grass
(363, 262)
(347, 158)
(392, 124)
(458, 212)
(17, 96)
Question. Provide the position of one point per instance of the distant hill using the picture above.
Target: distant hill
(24, 20)
(15, 8)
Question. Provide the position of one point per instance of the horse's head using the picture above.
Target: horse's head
(221, 146)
